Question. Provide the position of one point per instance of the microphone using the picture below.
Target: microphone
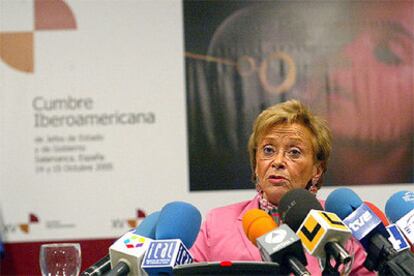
(127, 252)
(179, 220)
(370, 231)
(293, 201)
(260, 220)
(396, 237)
(146, 228)
(322, 233)
(400, 210)
(280, 245)
(99, 268)
(176, 231)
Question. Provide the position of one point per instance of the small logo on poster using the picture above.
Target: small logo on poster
(17, 47)
(130, 223)
(22, 227)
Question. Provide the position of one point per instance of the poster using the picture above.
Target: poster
(350, 62)
(92, 116)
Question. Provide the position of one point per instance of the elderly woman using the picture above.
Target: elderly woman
(289, 148)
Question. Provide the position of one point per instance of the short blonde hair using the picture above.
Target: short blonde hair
(290, 112)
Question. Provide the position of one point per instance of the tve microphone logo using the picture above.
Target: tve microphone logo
(362, 221)
(163, 255)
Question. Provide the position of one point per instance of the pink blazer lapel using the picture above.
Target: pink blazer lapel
(254, 252)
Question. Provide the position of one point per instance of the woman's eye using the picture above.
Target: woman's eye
(295, 152)
(268, 150)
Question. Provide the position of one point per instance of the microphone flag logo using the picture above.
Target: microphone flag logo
(311, 232)
(134, 241)
(397, 238)
(130, 248)
(333, 220)
(163, 255)
(408, 196)
(406, 225)
(362, 221)
(320, 227)
(276, 236)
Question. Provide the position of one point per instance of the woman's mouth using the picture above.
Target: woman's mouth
(276, 179)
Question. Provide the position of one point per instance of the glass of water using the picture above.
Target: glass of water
(60, 259)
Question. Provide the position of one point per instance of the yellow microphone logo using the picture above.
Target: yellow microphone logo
(310, 233)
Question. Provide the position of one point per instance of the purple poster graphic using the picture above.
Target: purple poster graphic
(351, 62)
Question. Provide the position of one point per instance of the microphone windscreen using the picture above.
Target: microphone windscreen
(179, 220)
(147, 227)
(295, 205)
(256, 223)
(399, 204)
(342, 202)
(378, 212)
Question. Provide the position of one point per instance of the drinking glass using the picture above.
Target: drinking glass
(60, 259)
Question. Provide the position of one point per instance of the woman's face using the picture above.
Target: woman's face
(285, 160)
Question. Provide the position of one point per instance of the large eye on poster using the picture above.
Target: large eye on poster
(350, 62)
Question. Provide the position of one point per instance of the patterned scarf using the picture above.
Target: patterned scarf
(268, 207)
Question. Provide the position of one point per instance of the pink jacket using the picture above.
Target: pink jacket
(222, 238)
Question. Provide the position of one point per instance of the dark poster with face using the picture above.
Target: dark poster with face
(351, 62)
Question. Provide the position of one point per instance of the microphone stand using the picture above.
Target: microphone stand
(329, 270)
(337, 253)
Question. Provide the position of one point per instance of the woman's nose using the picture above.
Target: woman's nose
(279, 161)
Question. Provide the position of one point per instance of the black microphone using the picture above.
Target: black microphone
(322, 233)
